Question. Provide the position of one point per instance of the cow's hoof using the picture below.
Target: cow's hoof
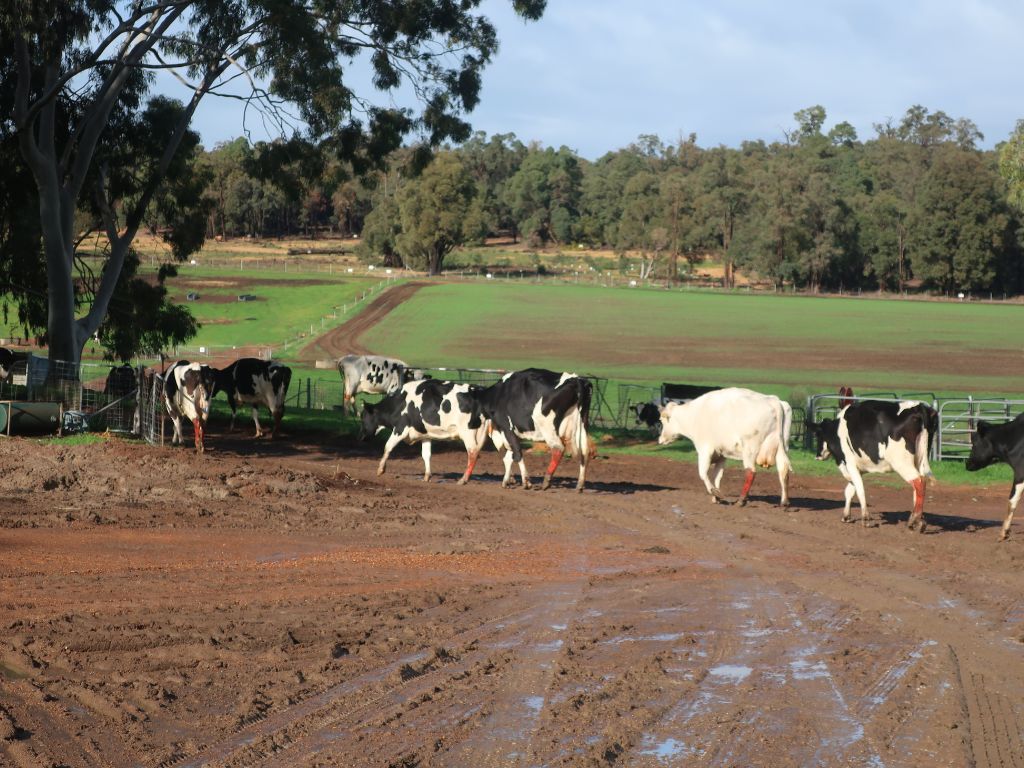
(741, 502)
(462, 481)
(546, 484)
(426, 478)
(380, 472)
(847, 519)
(579, 489)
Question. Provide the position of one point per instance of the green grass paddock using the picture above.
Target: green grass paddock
(598, 330)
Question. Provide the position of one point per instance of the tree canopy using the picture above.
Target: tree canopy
(102, 154)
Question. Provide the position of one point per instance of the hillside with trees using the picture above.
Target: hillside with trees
(917, 205)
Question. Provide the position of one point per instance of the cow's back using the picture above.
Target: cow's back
(726, 420)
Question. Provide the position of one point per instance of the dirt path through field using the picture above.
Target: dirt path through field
(278, 604)
(344, 340)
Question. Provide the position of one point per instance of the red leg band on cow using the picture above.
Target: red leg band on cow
(469, 466)
(556, 456)
(749, 481)
(919, 493)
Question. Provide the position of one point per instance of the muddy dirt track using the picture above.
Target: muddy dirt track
(278, 604)
(344, 340)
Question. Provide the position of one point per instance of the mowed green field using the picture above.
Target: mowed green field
(286, 303)
(780, 344)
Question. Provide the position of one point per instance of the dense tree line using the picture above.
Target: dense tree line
(917, 205)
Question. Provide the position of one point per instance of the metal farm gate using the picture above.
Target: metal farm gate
(958, 417)
(958, 420)
(151, 411)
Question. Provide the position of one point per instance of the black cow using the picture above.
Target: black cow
(120, 381)
(1001, 442)
(427, 410)
(880, 436)
(540, 405)
(649, 414)
(257, 382)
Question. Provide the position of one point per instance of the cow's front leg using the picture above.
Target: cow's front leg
(394, 440)
(858, 484)
(849, 492)
(516, 451)
(425, 452)
(704, 461)
(1016, 491)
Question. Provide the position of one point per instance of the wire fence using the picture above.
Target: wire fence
(93, 396)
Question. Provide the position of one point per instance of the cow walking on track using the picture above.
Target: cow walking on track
(374, 375)
(187, 388)
(733, 423)
(880, 436)
(257, 382)
(422, 411)
(543, 406)
(1001, 442)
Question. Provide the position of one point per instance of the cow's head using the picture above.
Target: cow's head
(826, 435)
(413, 374)
(983, 452)
(666, 434)
(369, 423)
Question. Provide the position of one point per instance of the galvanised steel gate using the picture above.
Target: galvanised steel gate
(958, 420)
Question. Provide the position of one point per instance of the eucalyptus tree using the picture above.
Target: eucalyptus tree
(76, 72)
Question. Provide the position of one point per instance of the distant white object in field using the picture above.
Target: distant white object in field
(350, 269)
(633, 283)
(490, 276)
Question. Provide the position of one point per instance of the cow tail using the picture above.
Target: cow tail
(584, 393)
(785, 421)
(929, 425)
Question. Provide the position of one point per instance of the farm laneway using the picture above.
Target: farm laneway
(278, 604)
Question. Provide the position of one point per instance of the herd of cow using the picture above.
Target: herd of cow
(867, 436)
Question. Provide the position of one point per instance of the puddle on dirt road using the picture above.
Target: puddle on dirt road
(733, 673)
(670, 749)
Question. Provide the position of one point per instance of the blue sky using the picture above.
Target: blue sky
(595, 74)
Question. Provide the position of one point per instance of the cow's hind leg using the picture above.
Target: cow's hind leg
(556, 457)
(748, 481)
(425, 452)
(256, 418)
(858, 483)
(917, 514)
(1015, 495)
(471, 457)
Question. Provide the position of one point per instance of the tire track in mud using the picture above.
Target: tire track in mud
(344, 340)
(285, 736)
(996, 738)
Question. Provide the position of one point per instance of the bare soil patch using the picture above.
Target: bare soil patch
(279, 604)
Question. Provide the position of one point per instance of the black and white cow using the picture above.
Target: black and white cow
(422, 411)
(187, 388)
(880, 436)
(1001, 442)
(733, 423)
(543, 406)
(373, 374)
(257, 382)
(6, 363)
(120, 381)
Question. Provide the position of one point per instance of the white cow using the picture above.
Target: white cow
(373, 374)
(733, 423)
(187, 388)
